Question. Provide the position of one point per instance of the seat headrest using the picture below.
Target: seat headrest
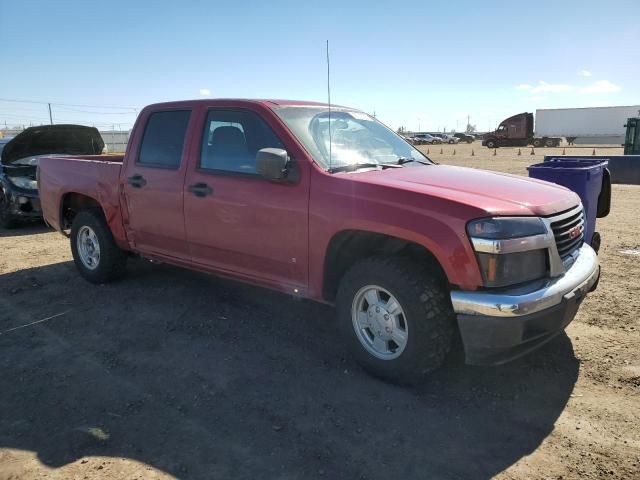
(228, 138)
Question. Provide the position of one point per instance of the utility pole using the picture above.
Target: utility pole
(50, 116)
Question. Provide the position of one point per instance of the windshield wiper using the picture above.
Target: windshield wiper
(403, 160)
(356, 166)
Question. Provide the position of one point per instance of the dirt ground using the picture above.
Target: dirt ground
(176, 374)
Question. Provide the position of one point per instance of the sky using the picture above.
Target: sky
(422, 65)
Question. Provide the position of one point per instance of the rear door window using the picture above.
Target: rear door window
(163, 139)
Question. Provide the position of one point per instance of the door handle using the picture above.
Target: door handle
(200, 189)
(137, 181)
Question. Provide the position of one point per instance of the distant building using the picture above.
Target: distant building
(115, 141)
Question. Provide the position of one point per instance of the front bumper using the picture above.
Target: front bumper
(24, 203)
(499, 325)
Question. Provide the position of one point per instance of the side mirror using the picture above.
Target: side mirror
(272, 163)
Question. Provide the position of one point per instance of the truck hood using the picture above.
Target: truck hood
(495, 193)
(52, 139)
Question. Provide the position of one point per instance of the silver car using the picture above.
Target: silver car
(446, 138)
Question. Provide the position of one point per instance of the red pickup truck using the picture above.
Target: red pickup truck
(329, 204)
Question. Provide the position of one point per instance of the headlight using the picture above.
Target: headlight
(24, 182)
(506, 227)
(510, 250)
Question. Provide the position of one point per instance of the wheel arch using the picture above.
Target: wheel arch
(71, 203)
(488, 140)
(347, 247)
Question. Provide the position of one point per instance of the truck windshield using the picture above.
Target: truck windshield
(356, 138)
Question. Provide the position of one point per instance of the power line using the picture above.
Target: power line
(67, 104)
(66, 109)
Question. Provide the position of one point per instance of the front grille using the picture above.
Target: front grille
(568, 239)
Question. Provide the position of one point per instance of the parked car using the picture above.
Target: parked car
(410, 252)
(464, 137)
(19, 160)
(425, 138)
(445, 138)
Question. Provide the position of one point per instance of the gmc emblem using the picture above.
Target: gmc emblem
(574, 232)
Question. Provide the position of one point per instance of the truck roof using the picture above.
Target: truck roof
(591, 108)
(269, 103)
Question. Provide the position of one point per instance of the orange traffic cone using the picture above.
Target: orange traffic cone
(594, 152)
(495, 150)
(532, 152)
(441, 151)
(563, 152)
(473, 154)
(454, 152)
(519, 152)
(427, 151)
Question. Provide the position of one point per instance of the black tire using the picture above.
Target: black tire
(550, 143)
(428, 313)
(492, 144)
(112, 262)
(537, 143)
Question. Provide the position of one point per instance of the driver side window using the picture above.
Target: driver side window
(231, 139)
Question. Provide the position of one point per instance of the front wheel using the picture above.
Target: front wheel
(491, 144)
(95, 253)
(397, 318)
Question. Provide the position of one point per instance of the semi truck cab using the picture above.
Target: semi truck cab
(517, 131)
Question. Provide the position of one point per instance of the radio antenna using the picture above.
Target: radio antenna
(329, 101)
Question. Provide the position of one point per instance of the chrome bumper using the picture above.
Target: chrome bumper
(534, 296)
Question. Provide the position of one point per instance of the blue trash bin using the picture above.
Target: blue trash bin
(583, 177)
(604, 199)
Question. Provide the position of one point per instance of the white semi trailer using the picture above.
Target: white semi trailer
(585, 125)
(600, 125)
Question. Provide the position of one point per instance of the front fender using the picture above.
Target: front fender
(437, 224)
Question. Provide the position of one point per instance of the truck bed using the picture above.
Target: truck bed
(95, 176)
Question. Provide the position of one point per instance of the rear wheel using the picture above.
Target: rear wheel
(537, 142)
(95, 253)
(396, 317)
(550, 143)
